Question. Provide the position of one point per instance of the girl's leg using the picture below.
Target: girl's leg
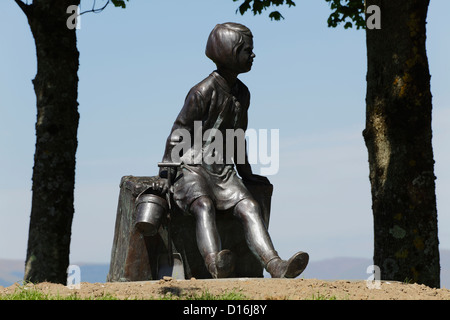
(220, 263)
(260, 243)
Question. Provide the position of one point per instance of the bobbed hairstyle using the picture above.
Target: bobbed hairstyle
(224, 41)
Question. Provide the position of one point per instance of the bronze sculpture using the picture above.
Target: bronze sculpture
(201, 188)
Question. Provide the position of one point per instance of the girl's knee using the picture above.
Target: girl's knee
(201, 206)
(247, 207)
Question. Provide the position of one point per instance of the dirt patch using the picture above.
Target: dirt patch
(251, 288)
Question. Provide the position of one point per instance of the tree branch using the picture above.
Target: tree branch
(23, 6)
(95, 10)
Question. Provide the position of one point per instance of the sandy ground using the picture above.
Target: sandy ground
(251, 288)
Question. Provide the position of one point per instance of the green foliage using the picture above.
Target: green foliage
(348, 11)
(23, 294)
(119, 3)
(257, 7)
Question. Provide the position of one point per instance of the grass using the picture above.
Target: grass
(320, 296)
(24, 293)
(231, 295)
(205, 295)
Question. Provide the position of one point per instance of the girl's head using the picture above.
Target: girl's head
(230, 45)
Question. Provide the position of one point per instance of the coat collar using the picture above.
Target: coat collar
(223, 83)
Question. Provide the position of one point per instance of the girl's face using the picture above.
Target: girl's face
(245, 56)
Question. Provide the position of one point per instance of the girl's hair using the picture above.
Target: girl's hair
(224, 41)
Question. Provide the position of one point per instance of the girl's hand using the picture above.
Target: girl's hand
(162, 185)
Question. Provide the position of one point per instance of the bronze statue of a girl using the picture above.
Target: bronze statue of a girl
(201, 188)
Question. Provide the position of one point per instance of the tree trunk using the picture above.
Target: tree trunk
(398, 137)
(56, 88)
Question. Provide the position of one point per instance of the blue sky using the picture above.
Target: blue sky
(136, 66)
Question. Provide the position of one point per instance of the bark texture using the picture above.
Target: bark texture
(398, 137)
(56, 88)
